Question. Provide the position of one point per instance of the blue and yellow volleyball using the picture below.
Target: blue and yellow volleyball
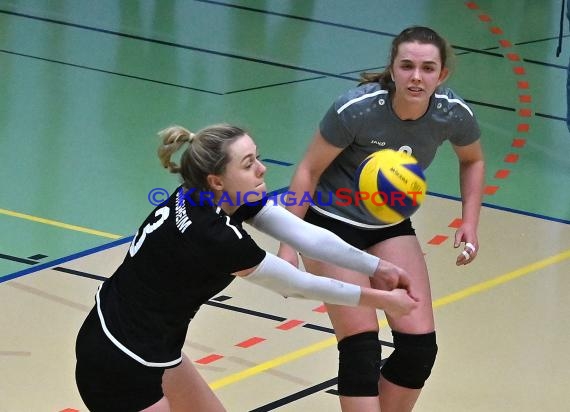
(392, 185)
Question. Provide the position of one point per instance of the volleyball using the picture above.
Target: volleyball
(392, 185)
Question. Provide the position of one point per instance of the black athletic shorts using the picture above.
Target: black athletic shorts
(108, 379)
(359, 237)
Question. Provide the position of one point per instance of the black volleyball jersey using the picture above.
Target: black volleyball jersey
(182, 255)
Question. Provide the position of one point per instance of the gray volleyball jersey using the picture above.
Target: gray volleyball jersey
(361, 121)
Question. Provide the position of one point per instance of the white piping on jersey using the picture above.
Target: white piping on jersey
(446, 97)
(228, 224)
(235, 229)
(351, 222)
(364, 96)
(125, 349)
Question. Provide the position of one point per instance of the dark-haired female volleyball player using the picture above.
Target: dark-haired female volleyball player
(404, 108)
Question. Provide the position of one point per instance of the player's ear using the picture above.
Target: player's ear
(443, 75)
(215, 182)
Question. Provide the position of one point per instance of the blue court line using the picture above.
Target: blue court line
(65, 259)
(505, 209)
(274, 192)
(90, 251)
(458, 199)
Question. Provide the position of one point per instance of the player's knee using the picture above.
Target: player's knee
(359, 365)
(412, 360)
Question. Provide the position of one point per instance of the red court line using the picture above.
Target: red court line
(512, 158)
(525, 112)
(502, 174)
(518, 70)
(250, 342)
(209, 359)
(518, 142)
(490, 190)
(438, 240)
(525, 98)
(456, 223)
(290, 324)
(505, 43)
(320, 309)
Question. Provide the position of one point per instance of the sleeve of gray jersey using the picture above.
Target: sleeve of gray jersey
(463, 126)
(333, 129)
(312, 241)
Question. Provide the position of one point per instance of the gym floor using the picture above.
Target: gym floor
(86, 85)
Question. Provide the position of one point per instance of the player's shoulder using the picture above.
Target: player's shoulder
(447, 99)
(214, 226)
(359, 96)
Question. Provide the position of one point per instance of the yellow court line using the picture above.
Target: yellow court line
(499, 280)
(273, 363)
(59, 224)
(446, 300)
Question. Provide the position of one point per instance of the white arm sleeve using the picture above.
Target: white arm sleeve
(276, 274)
(312, 241)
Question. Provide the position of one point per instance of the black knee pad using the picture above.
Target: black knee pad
(412, 360)
(359, 365)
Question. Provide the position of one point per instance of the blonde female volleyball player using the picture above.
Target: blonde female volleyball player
(404, 108)
(190, 248)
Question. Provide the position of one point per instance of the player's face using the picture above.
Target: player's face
(417, 71)
(243, 179)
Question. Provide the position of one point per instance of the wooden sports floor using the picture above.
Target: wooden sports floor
(85, 85)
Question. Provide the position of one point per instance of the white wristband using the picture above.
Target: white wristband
(276, 274)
